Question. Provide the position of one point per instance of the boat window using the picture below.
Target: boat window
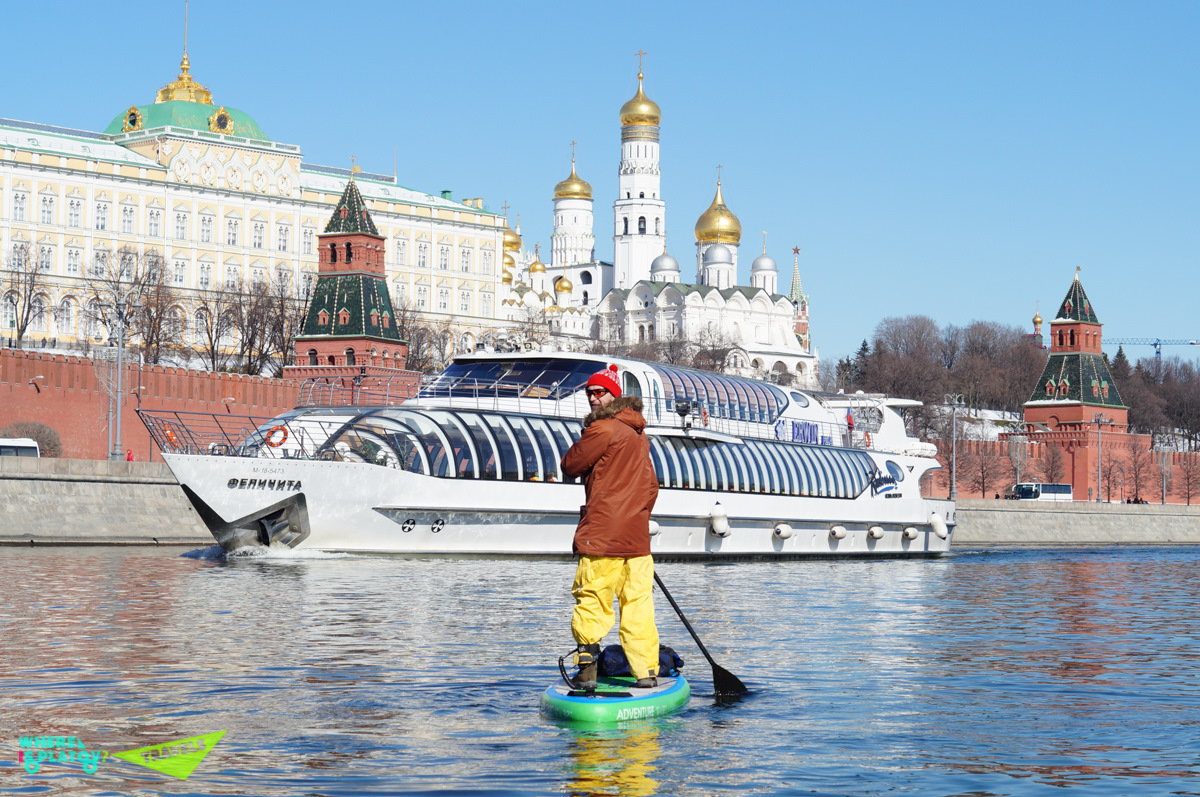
(896, 471)
(700, 469)
(733, 476)
(539, 378)
(687, 479)
(510, 463)
(742, 474)
(716, 477)
(630, 386)
(434, 443)
(484, 443)
(669, 477)
(768, 483)
(799, 398)
(531, 465)
(466, 462)
(660, 465)
(783, 474)
(545, 442)
(805, 478)
(565, 434)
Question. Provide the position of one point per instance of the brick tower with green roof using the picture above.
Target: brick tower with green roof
(350, 327)
(1076, 388)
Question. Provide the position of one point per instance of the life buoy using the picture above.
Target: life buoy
(271, 436)
(171, 437)
(867, 439)
(704, 415)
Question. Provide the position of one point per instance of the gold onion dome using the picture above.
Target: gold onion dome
(512, 241)
(564, 285)
(1037, 316)
(573, 187)
(537, 266)
(507, 279)
(718, 224)
(641, 110)
(510, 262)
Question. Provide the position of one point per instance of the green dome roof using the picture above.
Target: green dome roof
(188, 115)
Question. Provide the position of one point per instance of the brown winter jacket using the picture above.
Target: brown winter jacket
(613, 457)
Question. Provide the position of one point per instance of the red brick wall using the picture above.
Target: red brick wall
(69, 398)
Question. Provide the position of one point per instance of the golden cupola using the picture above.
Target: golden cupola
(184, 88)
(510, 262)
(564, 284)
(537, 266)
(507, 279)
(512, 241)
(1037, 318)
(641, 110)
(718, 224)
(573, 187)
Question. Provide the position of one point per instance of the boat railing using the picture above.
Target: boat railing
(685, 413)
(218, 434)
(303, 436)
(371, 390)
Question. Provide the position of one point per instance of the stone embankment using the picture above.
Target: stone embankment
(1077, 523)
(94, 502)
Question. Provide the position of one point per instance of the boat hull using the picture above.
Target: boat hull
(359, 507)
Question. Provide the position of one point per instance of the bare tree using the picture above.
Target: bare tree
(214, 328)
(286, 322)
(122, 285)
(531, 325)
(252, 317)
(1018, 455)
(156, 323)
(22, 294)
(1054, 466)
(1189, 477)
(1139, 468)
(1162, 462)
(982, 467)
(1112, 470)
(712, 348)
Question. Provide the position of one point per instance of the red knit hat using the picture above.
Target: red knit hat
(608, 380)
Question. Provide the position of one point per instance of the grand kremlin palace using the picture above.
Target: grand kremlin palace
(204, 188)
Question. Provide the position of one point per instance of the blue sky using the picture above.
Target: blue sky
(947, 158)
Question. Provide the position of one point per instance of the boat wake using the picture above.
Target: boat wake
(215, 553)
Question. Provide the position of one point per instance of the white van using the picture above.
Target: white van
(1038, 491)
(19, 447)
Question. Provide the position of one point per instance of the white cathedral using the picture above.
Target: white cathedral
(641, 297)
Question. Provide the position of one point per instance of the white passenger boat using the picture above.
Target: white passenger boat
(471, 466)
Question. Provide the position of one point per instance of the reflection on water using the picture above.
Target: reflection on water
(984, 672)
(613, 761)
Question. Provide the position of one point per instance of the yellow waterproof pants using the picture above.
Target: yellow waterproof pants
(598, 579)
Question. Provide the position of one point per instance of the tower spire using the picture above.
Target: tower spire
(796, 293)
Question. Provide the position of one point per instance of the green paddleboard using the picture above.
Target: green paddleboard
(616, 700)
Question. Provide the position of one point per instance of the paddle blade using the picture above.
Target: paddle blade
(726, 683)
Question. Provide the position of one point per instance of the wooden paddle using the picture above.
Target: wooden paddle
(725, 682)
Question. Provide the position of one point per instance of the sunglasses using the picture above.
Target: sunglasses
(596, 391)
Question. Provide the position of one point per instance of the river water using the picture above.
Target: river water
(985, 672)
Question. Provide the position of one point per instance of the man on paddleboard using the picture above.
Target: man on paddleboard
(612, 540)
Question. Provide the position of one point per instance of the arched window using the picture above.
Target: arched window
(641, 225)
(312, 357)
(332, 253)
(657, 225)
(641, 195)
(1071, 337)
(585, 298)
(349, 356)
(349, 256)
(626, 220)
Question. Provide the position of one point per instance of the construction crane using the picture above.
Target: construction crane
(1157, 343)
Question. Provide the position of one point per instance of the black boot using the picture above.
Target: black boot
(649, 682)
(588, 659)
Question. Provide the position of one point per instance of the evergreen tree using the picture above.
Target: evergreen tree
(1119, 368)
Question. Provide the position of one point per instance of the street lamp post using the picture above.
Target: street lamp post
(1100, 420)
(123, 309)
(955, 400)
